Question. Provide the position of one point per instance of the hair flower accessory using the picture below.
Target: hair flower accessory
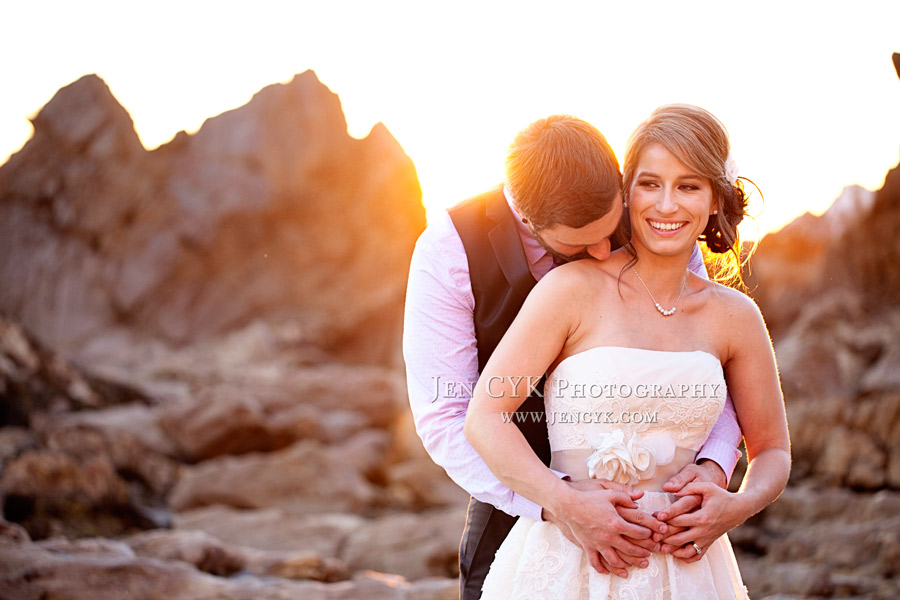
(628, 460)
(731, 169)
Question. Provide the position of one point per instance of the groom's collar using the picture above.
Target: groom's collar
(512, 206)
(539, 260)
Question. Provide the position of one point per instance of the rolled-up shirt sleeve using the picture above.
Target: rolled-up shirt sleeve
(441, 355)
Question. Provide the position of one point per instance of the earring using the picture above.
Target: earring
(625, 204)
(716, 211)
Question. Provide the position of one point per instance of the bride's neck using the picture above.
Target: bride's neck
(664, 273)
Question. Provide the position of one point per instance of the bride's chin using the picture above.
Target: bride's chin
(665, 247)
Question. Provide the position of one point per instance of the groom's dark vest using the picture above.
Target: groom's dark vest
(501, 281)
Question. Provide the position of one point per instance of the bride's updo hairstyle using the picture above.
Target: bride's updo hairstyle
(700, 141)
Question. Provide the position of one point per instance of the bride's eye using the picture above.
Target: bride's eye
(647, 183)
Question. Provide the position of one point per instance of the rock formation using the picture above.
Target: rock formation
(200, 392)
(788, 266)
(269, 211)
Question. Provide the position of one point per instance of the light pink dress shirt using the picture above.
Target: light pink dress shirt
(441, 356)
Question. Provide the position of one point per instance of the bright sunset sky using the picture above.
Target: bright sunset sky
(808, 92)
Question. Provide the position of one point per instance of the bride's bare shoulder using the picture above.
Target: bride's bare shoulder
(732, 305)
(584, 272)
(575, 281)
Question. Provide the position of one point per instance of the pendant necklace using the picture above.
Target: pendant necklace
(663, 311)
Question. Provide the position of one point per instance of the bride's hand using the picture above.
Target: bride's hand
(632, 515)
(719, 512)
(603, 519)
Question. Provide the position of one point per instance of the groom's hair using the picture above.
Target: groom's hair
(561, 171)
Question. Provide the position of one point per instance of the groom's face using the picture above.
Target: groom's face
(570, 243)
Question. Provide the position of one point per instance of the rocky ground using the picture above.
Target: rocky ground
(835, 532)
(208, 478)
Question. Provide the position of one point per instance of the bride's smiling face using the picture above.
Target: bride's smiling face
(669, 204)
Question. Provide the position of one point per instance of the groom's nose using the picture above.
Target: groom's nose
(600, 250)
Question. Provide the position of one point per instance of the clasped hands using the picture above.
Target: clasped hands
(602, 517)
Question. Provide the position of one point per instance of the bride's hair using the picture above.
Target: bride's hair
(700, 141)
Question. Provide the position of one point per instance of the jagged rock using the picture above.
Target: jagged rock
(50, 493)
(105, 570)
(135, 421)
(419, 483)
(838, 363)
(871, 265)
(273, 529)
(13, 441)
(434, 588)
(227, 421)
(892, 474)
(415, 546)
(829, 348)
(87, 118)
(788, 264)
(411, 545)
(12, 533)
(261, 214)
(96, 546)
(306, 477)
(257, 412)
(156, 473)
(28, 571)
(212, 556)
(801, 579)
(195, 547)
(855, 537)
(35, 381)
(297, 565)
(74, 479)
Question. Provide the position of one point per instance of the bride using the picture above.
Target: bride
(638, 350)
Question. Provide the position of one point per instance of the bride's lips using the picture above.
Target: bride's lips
(666, 228)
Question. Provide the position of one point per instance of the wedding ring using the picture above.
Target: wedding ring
(697, 549)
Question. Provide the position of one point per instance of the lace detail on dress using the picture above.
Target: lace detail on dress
(679, 394)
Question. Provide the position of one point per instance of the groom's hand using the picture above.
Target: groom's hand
(602, 518)
(706, 472)
(720, 511)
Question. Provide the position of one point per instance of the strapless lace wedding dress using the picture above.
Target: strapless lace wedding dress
(634, 416)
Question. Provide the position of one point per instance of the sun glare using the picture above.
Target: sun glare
(807, 116)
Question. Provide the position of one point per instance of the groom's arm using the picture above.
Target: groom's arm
(441, 356)
(721, 445)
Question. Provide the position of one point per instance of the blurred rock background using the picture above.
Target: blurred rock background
(202, 394)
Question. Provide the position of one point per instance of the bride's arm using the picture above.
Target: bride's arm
(534, 341)
(752, 378)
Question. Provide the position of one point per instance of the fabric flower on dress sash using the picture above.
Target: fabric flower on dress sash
(628, 459)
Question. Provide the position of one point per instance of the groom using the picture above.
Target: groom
(471, 271)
